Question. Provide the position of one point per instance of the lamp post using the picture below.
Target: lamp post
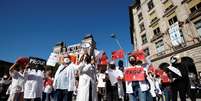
(116, 40)
(113, 35)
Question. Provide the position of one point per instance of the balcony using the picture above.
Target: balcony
(155, 37)
(187, 1)
(169, 10)
(195, 14)
(154, 22)
(171, 50)
(161, 53)
(164, 1)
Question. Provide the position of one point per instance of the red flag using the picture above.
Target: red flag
(139, 54)
(73, 58)
(118, 54)
(104, 59)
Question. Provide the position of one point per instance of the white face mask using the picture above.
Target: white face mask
(67, 60)
(173, 60)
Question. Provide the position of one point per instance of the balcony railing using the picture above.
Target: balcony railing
(170, 51)
(187, 1)
(195, 14)
(164, 1)
(155, 37)
(154, 21)
(169, 10)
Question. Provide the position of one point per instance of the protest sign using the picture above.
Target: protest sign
(53, 59)
(134, 74)
(175, 70)
(139, 54)
(37, 61)
(118, 54)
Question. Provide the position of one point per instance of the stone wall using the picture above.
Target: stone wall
(194, 53)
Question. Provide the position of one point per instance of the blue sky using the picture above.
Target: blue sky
(32, 27)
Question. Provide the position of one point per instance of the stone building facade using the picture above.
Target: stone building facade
(163, 28)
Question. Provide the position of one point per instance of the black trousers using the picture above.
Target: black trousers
(35, 99)
(192, 94)
(181, 86)
(70, 95)
(112, 93)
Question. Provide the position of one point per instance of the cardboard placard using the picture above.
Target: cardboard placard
(37, 61)
(53, 59)
(134, 74)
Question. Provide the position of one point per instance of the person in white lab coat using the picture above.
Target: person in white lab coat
(87, 80)
(72, 68)
(64, 81)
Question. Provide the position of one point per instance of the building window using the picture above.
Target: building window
(172, 20)
(144, 39)
(157, 31)
(142, 27)
(150, 5)
(163, 1)
(146, 51)
(160, 47)
(140, 17)
(176, 35)
(195, 8)
(198, 27)
(138, 8)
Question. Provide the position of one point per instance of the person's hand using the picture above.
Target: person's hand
(129, 82)
(27, 66)
(119, 78)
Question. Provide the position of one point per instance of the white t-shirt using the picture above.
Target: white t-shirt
(100, 78)
(34, 84)
(18, 81)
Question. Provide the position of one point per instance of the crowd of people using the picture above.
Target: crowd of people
(85, 82)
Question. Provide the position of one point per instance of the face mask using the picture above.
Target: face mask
(132, 62)
(67, 60)
(112, 66)
(87, 59)
(173, 60)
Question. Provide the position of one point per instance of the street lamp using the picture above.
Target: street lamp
(116, 40)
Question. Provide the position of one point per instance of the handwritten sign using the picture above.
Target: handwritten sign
(134, 74)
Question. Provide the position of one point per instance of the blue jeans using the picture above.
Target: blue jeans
(137, 94)
(47, 97)
(166, 93)
(61, 95)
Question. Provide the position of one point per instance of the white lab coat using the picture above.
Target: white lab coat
(87, 77)
(72, 68)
